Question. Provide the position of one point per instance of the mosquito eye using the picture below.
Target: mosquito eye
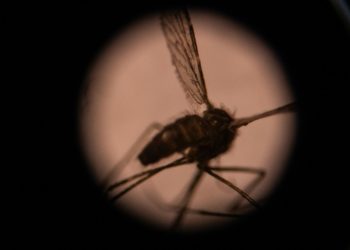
(214, 122)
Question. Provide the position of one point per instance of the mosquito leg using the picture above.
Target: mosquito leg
(245, 207)
(145, 175)
(249, 189)
(161, 204)
(155, 197)
(260, 174)
(157, 200)
(234, 187)
(187, 198)
(120, 194)
(210, 213)
(131, 152)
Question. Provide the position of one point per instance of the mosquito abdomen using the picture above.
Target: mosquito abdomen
(175, 137)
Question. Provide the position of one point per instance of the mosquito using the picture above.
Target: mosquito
(199, 137)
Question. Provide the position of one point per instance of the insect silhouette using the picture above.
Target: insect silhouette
(198, 138)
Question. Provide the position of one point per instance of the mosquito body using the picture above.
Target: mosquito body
(199, 138)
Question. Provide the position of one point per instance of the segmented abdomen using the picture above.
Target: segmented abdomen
(176, 137)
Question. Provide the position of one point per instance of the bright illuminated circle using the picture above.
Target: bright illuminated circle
(134, 84)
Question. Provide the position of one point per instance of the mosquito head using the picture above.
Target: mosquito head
(218, 118)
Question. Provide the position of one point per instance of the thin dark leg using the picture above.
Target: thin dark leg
(234, 187)
(208, 213)
(187, 198)
(161, 204)
(204, 212)
(120, 194)
(249, 189)
(134, 149)
(260, 174)
(145, 174)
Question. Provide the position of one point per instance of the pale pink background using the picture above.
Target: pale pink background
(134, 84)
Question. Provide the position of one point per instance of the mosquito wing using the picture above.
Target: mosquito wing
(179, 34)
